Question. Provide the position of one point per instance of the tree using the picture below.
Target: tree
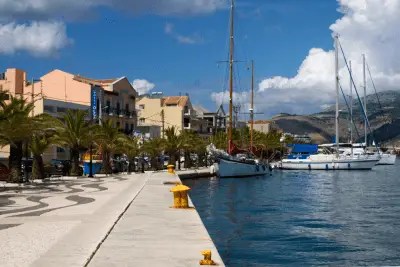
(16, 128)
(108, 140)
(154, 149)
(130, 146)
(173, 144)
(188, 144)
(38, 144)
(73, 132)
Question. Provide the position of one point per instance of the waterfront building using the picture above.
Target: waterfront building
(216, 121)
(264, 126)
(57, 91)
(157, 109)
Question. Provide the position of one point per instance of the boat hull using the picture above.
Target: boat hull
(231, 169)
(387, 159)
(329, 163)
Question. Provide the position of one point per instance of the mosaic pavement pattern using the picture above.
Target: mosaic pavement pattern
(49, 196)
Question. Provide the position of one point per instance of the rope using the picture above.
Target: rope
(358, 96)
(348, 107)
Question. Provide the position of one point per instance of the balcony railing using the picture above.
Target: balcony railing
(119, 113)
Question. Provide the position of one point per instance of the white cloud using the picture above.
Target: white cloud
(37, 38)
(184, 39)
(367, 26)
(73, 9)
(142, 86)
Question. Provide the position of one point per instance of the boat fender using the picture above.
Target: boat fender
(263, 166)
(348, 165)
(257, 168)
(309, 166)
(326, 167)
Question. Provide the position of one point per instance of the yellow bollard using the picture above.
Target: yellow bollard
(181, 200)
(171, 169)
(207, 258)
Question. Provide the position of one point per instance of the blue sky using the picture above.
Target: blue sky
(178, 52)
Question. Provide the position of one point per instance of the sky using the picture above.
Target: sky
(173, 46)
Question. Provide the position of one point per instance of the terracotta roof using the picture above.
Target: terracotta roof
(263, 122)
(98, 82)
(174, 100)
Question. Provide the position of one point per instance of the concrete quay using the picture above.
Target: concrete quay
(203, 172)
(108, 221)
(152, 234)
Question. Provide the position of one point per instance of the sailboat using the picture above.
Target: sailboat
(236, 162)
(329, 157)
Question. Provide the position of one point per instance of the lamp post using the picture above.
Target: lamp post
(142, 153)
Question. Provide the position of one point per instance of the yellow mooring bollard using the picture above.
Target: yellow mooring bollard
(207, 258)
(181, 200)
(171, 169)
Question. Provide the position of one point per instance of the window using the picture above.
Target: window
(60, 150)
(118, 108)
(118, 124)
(127, 107)
(108, 106)
(131, 127)
(61, 110)
(142, 120)
(126, 127)
(171, 105)
(48, 108)
(6, 96)
(186, 109)
(141, 106)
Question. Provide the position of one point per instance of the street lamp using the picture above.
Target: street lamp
(142, 153)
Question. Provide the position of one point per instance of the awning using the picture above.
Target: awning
(304, 148)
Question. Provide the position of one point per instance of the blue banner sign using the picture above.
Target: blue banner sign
(94, 103)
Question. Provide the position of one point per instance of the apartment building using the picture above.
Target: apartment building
(216, 121)
(58, 91)
(264, 126)
(175, 111)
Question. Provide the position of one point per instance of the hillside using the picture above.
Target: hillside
(385, 122)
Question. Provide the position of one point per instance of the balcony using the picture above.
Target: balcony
(189, 113)
(121, 113)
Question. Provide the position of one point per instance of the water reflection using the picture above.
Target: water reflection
(304, 218)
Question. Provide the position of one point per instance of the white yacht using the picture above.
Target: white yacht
(312, 157)
(332, 156)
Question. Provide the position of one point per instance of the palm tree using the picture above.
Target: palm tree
(154, 149)
(173, 144)
(16, 128)
(130, 146)
(188, 145)
(73, 132)
(108, 140)
(38, 144)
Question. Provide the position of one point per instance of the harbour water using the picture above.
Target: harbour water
(304, 218)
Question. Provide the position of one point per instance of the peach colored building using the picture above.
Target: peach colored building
(178, 112)
(264, 126)
(13, 81)
(58, 91)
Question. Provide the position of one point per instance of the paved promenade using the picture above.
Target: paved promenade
(73, 223)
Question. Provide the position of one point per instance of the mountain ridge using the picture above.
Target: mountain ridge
(385, 121)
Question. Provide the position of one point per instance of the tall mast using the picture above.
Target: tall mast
(365, 102)
(252, 105)
(230, 145)
(351, 106)
(337, 94)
